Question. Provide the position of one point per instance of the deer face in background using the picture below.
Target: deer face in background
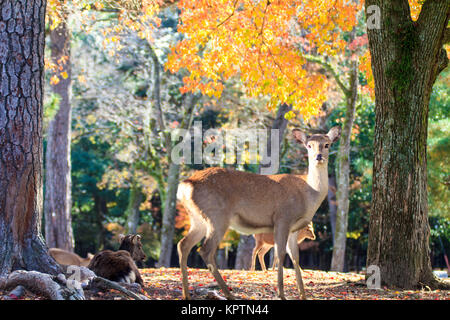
(308, 232)
(132, 244)
(318, 145)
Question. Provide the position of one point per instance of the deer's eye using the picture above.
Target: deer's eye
(309, 146)
(327, 145)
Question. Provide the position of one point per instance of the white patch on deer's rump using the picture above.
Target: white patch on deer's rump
(129, 278)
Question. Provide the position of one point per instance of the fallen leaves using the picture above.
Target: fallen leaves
(165, 284)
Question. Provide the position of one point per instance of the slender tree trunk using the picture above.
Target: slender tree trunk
(168, 225)
(57, 203)
(247, 243)
(101, 212)
(332, 204)
(22, 43)
(407, 56)
(170, 202)
(133, 215)
(343, 174)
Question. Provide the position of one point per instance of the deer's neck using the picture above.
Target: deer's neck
(318, 178)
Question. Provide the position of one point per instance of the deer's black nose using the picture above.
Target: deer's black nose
(319, 157)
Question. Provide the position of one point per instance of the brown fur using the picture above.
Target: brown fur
(119, 265)
(265, 242)
(218, 198)
(66, 258)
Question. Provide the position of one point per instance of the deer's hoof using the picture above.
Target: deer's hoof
(186, 296)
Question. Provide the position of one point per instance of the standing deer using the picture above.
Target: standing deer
(265, 241)
(283, 204)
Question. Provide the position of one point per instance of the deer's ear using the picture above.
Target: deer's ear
(136, 239)
(334, 134)
(121, 237)
(300, 136)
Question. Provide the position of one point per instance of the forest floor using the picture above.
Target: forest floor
(165, 284)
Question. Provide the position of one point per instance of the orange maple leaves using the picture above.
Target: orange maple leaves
(261, 42)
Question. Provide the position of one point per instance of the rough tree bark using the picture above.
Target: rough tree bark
(22, 43)
(57, 202)
(406, 56)
(247, 243)
(343, 173)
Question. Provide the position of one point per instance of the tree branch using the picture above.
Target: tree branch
(433, 20)
(102, 283)
(331, 70)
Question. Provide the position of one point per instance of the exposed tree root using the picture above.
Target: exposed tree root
(434, 283)
(105, 284)
(60, 288)
(43, 284)
(16, 293)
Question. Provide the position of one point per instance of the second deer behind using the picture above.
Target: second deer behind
(120, 265)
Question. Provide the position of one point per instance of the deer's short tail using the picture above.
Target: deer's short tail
(184, 192)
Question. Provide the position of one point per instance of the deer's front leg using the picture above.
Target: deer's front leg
(293, 253)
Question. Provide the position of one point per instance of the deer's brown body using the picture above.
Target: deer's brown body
(265, 241)
(120, 265)
(217, 199)
(67, 258)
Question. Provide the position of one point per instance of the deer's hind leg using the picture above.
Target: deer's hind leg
(292, 248)
(214, 234)
(256, 249)
(261, 255)
(196, 233)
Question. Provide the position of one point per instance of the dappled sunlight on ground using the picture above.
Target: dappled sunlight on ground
(165, 283)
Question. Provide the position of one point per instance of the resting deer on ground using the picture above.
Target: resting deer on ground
(120, 265)
(265, 241)
(67, 258)
(283, 204)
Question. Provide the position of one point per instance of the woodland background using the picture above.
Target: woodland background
(123, 74)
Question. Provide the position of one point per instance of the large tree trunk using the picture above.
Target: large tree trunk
(407, 56)
(21, 101)
(57, 203)
(247, 243)
(343, 174)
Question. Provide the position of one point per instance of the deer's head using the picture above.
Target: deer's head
(318, 145)
(132, 244)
